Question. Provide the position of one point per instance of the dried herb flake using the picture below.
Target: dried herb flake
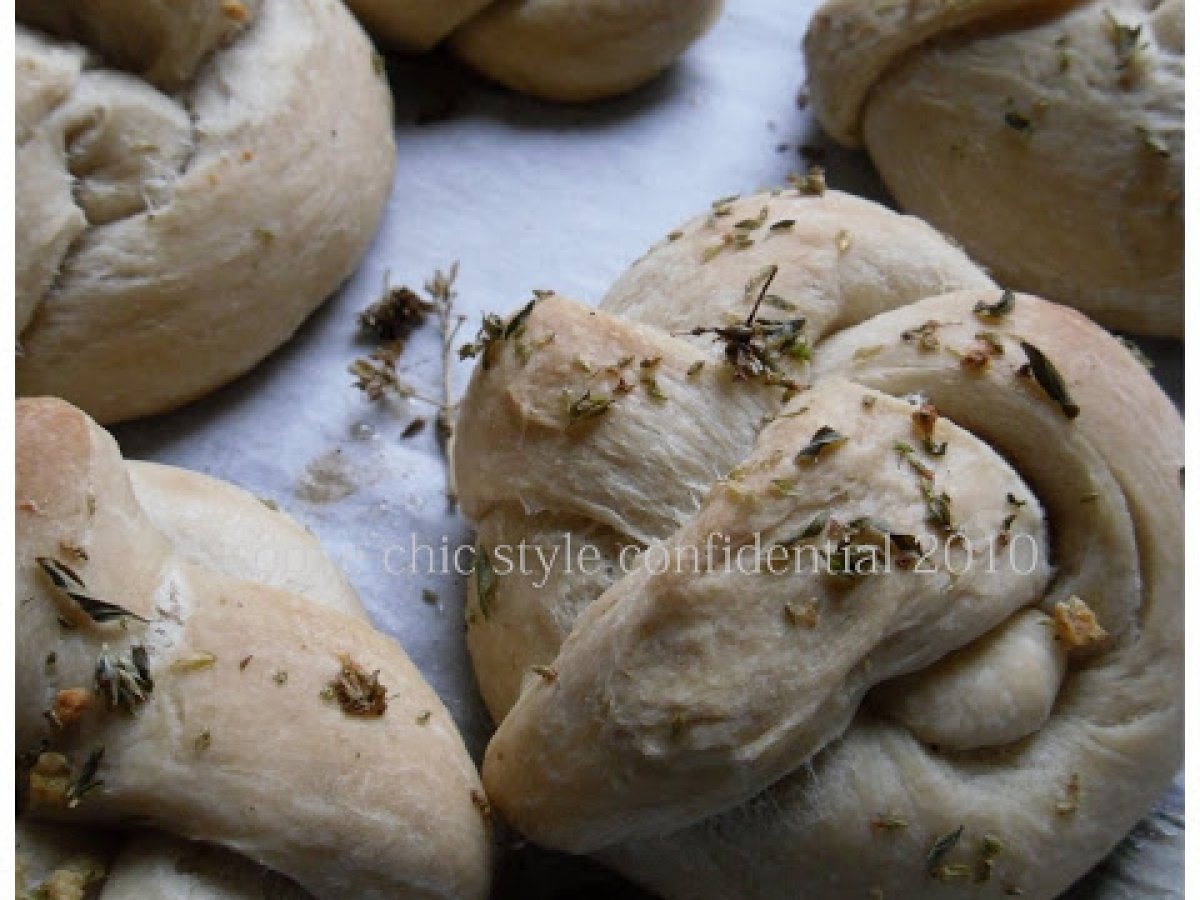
(941, 848)
(86, 782)
(1048, 377)
(68, 582)
(824, 439)
(485, 580)
(357, 693)
(125, 681)
(1002, 307)
(587, 406)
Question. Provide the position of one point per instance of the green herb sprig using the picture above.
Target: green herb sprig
(756, 347)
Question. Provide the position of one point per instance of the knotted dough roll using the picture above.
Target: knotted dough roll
(1046, 137)
(726, 701)
(241, 713)
(192, 180)
(568, 50)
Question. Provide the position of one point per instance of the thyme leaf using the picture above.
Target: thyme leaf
(806, 614)
(888, 822)
(1126, 40)
(754, 348)
(1153, 142)
(752, 224)
(814, 528)
(491, 332)
(1018, 122)
(941, 848)
(518, 321)
(587, 406)
(64, 578)
(925, 337)
(1050, 380)
(375, 375)
(485, 580)
(1002, 307)
(87, 781)
(925, 419)
(1135, 351)
(395, 315)
(825, 438)
(938, 510)
(357, 693)
(992, 341)
(124, 681)
(811, 184)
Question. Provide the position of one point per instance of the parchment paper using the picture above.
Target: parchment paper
(526, 195)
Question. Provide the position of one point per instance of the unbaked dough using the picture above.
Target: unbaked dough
(1047, 138)
(192, 180)
(909, 734)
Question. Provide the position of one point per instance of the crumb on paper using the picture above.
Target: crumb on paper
(327, 479)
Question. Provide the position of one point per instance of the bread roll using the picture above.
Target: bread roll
(1047, 138)
(887, 260)
(714, 730)
(240, 741)
(193, 179)
(565, 50)
(578, 50)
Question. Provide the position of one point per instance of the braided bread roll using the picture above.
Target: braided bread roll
(1002, 712)
(193, 179)
(565, 50)
(1047, 138)
(238, 741)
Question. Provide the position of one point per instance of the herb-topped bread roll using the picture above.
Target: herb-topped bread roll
(223, 527)
(868, 577)
(1047, 138)
(568, 50)
(173, 672)
(193, 179)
